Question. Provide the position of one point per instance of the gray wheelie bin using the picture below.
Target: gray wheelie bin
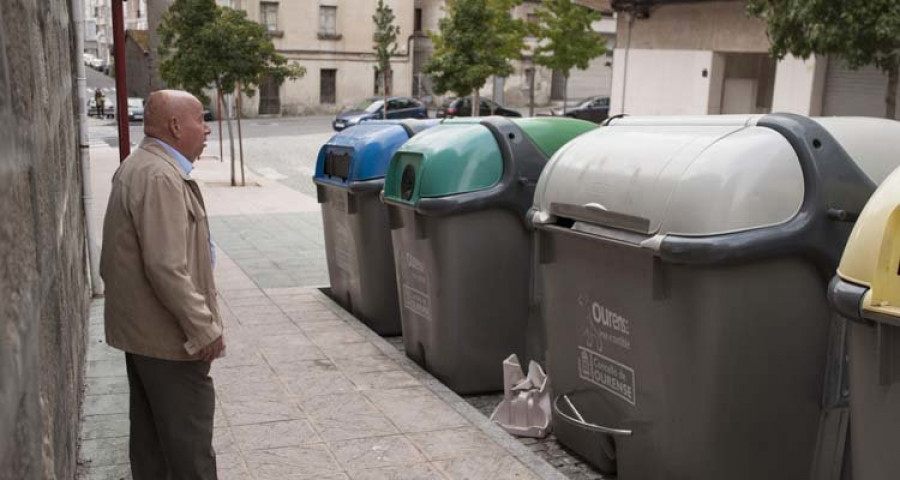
(683, 271)
(349, 178)
(457, 195)
(866, 291)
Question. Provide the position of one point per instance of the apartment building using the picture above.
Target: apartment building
(551, 85)
(332, 39)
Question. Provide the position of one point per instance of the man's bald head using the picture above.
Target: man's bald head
(173, 116)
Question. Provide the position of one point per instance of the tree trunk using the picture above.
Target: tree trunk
(531, 93)
(384, 90)
(476, 102)
(890, 99)
(240, 104)
(494, 94)
(219, 107)
(231, 142)
(565, 93)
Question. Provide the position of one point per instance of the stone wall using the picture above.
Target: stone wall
(137, 64)
(43, 291)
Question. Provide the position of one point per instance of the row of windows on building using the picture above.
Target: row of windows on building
(268, 16)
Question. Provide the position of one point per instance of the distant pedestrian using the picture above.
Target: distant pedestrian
(99, 102)
(157, 264)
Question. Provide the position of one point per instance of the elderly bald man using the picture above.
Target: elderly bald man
(160, 309)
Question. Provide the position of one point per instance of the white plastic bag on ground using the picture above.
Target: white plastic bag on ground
(525, 409)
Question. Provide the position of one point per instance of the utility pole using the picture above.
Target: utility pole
(121, 84)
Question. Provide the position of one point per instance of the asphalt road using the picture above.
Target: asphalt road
(283, 149)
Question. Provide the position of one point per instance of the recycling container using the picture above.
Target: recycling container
(457, 197)
(683, 267)
(349, 178)
(866, 291)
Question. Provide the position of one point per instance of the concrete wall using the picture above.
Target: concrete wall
(799, 86)
(721, 26)
(666, 82)
(43, 294)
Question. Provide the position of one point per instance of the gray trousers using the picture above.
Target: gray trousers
(171, 411)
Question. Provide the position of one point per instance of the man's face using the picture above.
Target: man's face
(194, 132)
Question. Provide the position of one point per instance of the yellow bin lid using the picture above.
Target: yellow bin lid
(872, 255)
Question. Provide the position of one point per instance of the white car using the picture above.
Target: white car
(97, 63)
(135, 109)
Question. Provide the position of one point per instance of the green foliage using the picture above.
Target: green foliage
(183, 34)
(566, 39)
(861, 32)
(385, 37)
(204, 45)
(477, 39)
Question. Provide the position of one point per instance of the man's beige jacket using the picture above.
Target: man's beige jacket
(156, 260)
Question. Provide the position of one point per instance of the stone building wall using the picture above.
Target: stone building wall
(43, 291)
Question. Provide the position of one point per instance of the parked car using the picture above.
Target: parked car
(594, 109)
(98, 63)
(371, 109)
(135, 109)
(462, 107)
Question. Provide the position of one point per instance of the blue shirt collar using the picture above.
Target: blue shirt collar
(183, 162)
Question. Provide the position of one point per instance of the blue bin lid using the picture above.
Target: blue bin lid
(363, 152)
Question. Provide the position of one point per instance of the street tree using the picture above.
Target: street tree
(511, 33)
(385, 47)
(206, 46)
(566, 39)
(476, 39)
(859, 32)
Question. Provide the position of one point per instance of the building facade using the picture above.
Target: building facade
(698, 58)
(549, 85)
(332, 40)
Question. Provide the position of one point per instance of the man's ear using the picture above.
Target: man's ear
(174, 128)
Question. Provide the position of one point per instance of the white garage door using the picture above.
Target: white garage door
(596, 80)
(854, 92)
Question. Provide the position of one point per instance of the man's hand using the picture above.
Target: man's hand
(212, 351)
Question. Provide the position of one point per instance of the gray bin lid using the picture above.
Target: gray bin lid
(873, 143)
(674, 175)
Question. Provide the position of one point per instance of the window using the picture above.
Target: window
(418, 20)
(328, 22)
(268, 15)
(327, 85)
(532, 18)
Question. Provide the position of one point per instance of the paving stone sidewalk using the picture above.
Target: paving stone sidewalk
(307, 391)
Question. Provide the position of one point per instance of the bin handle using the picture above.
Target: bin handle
(596, 207)
(581, 422)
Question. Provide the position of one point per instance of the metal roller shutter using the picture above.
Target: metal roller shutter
(854, 92)
(595, 80)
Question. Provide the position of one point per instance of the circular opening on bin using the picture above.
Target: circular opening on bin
(512, 136)
(407, 182)
(817, 143)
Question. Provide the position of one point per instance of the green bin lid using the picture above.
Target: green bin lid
(462, 155)
(448, 159)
